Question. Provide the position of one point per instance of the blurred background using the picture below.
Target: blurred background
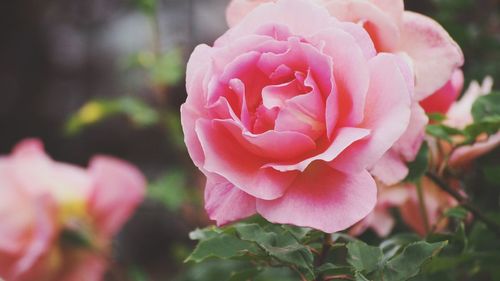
(107, 77)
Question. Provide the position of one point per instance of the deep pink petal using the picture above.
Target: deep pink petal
(229, 159)
(118, 188)
(270, 144)
(434, 53)
(226, 203)
(343, 138)
(331, 204)
(442, 99)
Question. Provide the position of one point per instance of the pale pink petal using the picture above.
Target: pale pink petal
(118, 188)
(459, 115)
(238, 9)
(331, 204)
(287, 13)
(434, 53)
(16, 225)
(226, 203)
(392, 167)
(351, 75)
(382, 28)
(387, 115)
(442, 99)
(393, 8)
(383, 223)
(43, 235)
(466, 154)
(223, 156)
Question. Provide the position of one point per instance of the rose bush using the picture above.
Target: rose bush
(432, 53)
(286, 116)
(43, 203)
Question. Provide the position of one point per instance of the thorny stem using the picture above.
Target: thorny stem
(422, 206)
(464, 202)
(327, 245)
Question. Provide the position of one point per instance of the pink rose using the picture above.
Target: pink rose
(436, 203)
(442, 99)
(459, 116)
(40, 199)
(422, 41)
(380, 219)
(285, 117)
(433, 53)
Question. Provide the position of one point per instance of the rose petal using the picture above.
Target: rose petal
(226, 203)
(441, 101)
(331, 204)
(387, 115)
(118, 188)
(343, 139)
(383, 30)
(223, 156)
(434, 53)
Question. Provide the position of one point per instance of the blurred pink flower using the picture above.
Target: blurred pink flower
(432, 53)
(40, 199)
(380, 219)
(285, 117)
(436, 203)
(459, 116)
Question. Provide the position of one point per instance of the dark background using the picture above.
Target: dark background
(55, 55)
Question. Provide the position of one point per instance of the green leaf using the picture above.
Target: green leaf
(332, 269)
(392, 245)
(168, 69)
(95, 111)
(408, 263)
(456, 212)
(170, 190)
(364, 258)
(443, 132)
(278, 243)
(360, 277)
(246, 274)
(419, 166)
(437, 117)
(486, 107)
(223, 246)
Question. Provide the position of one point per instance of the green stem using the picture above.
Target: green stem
(464, 202)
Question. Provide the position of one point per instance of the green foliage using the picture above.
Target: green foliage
(264, 245)
(370, 264)
(166, 69)
(170, 189)
(94, 111)
(486, 107)
(419, 166)
(146, 6)
(364, 258)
